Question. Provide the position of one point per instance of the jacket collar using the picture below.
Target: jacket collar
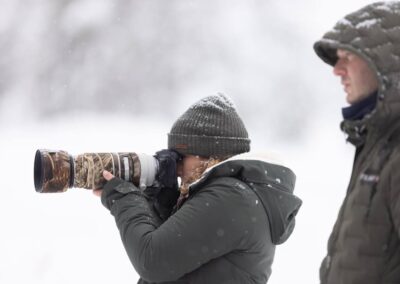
(358, 110)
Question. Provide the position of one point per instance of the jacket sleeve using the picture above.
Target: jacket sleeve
(211, 223)
(394, 193)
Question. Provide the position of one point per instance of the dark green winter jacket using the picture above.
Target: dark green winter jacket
(225, 232)
(364, 247)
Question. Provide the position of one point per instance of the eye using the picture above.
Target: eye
(345, 55)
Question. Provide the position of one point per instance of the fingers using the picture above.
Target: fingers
(107, 175)
(97, 192)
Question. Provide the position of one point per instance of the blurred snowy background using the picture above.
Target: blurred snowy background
(109, 75)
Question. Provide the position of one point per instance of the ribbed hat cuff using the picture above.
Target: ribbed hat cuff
(208, 145)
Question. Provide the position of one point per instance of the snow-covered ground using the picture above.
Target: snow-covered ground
(71, 238)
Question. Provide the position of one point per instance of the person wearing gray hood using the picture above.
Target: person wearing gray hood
(229, 213)
(364, 50)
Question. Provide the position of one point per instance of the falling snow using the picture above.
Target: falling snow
(77, 214)
(220, 233)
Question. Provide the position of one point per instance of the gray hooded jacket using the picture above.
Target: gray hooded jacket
(225, 232)
(364, 246)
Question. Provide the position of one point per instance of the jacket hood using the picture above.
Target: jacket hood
(373, 33)
(272, 183)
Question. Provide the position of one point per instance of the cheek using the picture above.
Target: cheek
(362, 80)
(369, 76)
(356, 76)
(187, 169)
(179, 170)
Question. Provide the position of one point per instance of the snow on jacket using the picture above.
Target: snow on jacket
(225, 232)
(364, 247)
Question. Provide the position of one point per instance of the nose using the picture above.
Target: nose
(339, 69)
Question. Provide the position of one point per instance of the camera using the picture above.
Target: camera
(57, 171)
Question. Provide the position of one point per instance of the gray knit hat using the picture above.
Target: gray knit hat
(210, 127)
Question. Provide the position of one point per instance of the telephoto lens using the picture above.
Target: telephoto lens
(57, 171)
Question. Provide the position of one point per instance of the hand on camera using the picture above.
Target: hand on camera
(114, 189)
(107, 176)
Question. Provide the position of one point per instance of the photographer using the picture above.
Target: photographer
(222, 224)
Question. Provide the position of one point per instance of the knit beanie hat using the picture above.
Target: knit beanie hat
(210, 127)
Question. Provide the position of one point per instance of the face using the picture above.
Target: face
(358, 80)
(188, 165)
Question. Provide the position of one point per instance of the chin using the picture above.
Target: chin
(350, 99)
